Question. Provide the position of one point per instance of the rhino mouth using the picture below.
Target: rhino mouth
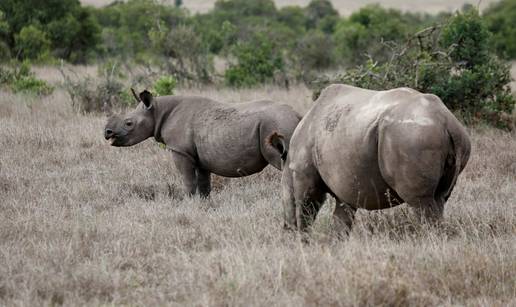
(118, 141)
(115, 141)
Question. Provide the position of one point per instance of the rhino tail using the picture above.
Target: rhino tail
(277, 141)
(456, 159)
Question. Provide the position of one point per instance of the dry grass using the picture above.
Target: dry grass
(345, 7)
(85, 223)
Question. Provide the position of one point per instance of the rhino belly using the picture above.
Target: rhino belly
(369, 192)
(232, 160)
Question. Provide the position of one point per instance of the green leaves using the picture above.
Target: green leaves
(165, 86)
(468, 37)
(21, 80)
(257, 60)
(32, 43)
(455, 64)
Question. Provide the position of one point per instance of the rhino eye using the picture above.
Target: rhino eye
(129, 124)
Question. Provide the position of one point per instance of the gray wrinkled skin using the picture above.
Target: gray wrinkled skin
(206, 136)
(373, 150)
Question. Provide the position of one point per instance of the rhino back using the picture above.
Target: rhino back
(225, 138)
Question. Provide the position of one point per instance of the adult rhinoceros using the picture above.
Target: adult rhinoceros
(206, 136)
(371, 150)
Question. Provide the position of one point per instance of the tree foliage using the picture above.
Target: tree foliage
(452, 62)
(69, 28)
(500, 19)
(256, 62)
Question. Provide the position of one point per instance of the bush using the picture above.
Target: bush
(127, 25)
(182, 53)
(453, 63)
(21, 80)
(101, 95)
(500, 19)
(61, 27)
(361, 35)
(468, 36)
(32, 43)
(314, 52)
(257, 61)
(5, 52)
(318, 11)
(31, 85)
(165, 86)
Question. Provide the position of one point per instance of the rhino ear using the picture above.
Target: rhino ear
(277, 141)
(146, 98)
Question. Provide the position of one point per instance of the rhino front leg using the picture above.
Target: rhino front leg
(343, 217)
(204, 182)
(188, 171)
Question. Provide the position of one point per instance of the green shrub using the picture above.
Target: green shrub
(500, 18)
(5, 52)
(165, 86)
(21, 80)
(468, 36)
(31, 85)
(62, 27)
(127, 25)
(363, 33)
(314, 52)
(182, 53)
(455, 64)
(318, 11)
(32, 43)
(257, 60)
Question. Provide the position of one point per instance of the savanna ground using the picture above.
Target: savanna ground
(345, 7)
(85, 223)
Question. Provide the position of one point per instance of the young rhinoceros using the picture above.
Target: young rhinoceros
(206, 136)
(372, 150)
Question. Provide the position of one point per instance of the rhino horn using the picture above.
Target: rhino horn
(135, 95)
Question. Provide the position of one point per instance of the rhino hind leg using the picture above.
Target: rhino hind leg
(343, 217)
(309, 195)
(188, 171)
(288, 201)
(204, 182)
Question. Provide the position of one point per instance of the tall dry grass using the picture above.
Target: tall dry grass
(85, 223)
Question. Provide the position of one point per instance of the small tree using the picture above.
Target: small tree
(257, 60)
(500, 19)
(32, 43)
(318, 10)
(361, 35)
(182, 53)
(314, 52)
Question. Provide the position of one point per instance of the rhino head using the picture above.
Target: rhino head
(133, 127)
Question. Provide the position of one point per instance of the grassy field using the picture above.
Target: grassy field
(345, 7)
(85, 223)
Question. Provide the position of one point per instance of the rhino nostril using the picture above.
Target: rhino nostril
(108, 133)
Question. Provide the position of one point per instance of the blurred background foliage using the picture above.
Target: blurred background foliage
(458, 56)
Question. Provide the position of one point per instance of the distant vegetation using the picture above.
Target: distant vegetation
(458, 59)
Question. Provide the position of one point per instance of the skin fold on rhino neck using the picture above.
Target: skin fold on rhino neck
(162, 110)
